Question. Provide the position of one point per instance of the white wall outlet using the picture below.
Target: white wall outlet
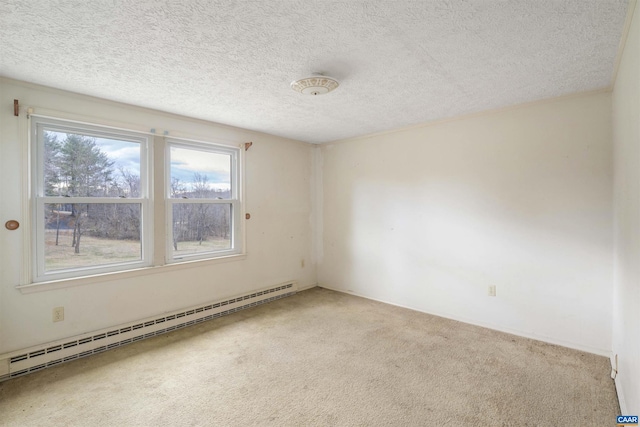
(58, 314)
(492, 290)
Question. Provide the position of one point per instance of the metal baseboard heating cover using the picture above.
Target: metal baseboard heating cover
(34, 359)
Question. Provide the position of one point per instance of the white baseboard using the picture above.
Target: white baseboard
(306, 287)
(621, 401)
(549, 340)
(616, 380)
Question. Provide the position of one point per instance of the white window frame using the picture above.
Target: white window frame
(39, 200)
(235, 200)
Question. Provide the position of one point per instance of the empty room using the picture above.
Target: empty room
(319, 213)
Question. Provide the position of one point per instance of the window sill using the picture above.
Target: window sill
(118, 275)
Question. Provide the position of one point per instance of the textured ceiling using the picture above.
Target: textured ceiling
(400, 62)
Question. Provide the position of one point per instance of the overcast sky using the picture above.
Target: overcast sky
(184, 162)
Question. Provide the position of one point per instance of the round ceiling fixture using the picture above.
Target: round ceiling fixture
(315, 85)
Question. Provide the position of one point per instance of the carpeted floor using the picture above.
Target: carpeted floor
(321, 358)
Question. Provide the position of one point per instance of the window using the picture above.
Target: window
(93, 204)
(91, 200)
(203, 204)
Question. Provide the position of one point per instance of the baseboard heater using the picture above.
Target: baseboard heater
(34, 359)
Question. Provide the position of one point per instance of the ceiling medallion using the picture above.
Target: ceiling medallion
(315, 85)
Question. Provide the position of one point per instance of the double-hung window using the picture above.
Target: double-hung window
(203, 200)
(90, 192)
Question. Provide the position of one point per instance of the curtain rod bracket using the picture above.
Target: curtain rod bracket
(247, 145)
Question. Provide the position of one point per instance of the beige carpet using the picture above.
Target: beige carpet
(321, 358)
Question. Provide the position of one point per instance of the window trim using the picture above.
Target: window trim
(36, 144)
(235, 201)
(34, 287)
(156, 157)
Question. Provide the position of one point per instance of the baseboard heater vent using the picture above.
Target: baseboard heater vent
(38, 358)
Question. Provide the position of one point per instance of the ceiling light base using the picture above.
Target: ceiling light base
(315, 85)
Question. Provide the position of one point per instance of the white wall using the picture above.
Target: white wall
(430, 217)
(279, 196)
(425, 218)
(626, 303)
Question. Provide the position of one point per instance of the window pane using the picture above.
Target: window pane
(93, 234)
(197, 174)
(78, 165)
(201, 227)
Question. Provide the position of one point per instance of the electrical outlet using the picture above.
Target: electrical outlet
(492, 290)
(58, 314)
